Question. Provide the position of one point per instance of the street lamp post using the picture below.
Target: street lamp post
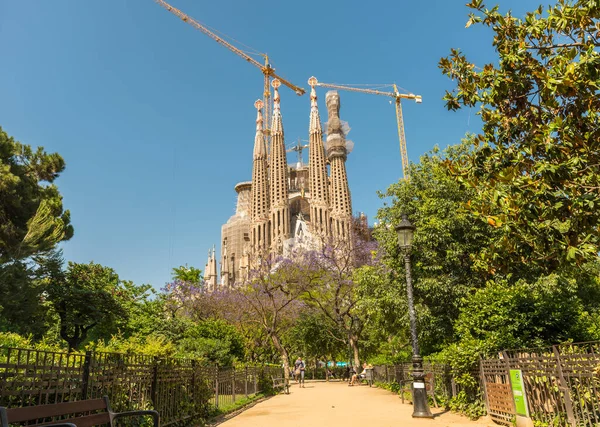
(421, 409)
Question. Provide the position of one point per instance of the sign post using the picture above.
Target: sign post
(519, 397)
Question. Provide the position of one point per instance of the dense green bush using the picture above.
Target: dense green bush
(213, 342)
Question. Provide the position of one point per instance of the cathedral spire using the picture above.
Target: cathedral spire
(224, 267)
(319, 188)
(341, 203)
(260, 206)
(276, 125)
(315, 120)
(260, 149)
(210, 272)
(279, 190)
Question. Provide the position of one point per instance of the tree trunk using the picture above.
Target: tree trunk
(354, 345)
(284, 357)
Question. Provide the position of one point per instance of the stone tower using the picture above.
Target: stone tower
(279, 191)
(224, 267)
(340, 202)
(210, 271)
(319, 188)
(261, 234)
(235, 235)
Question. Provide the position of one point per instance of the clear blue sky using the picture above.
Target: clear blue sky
(156, 121)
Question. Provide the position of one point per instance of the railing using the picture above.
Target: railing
(438, 381)
(562, 384)
(180, 389)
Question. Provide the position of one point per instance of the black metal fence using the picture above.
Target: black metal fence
(438, 381)
(180, 389)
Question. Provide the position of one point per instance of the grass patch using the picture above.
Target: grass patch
(232, 407)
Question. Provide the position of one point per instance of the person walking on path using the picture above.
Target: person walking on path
(299, 371)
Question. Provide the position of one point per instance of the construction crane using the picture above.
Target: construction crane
(298, 148)
(400, 121)
(266, 68)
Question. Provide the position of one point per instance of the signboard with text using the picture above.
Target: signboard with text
(518, 390)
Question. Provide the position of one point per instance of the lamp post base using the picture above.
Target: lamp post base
(420, 403)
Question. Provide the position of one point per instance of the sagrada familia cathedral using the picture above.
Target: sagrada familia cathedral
(287, 205)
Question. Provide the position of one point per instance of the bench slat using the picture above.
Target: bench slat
(86, 421)
(43, 411)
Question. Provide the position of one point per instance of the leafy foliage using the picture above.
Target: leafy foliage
(447, 241)
(85, 296)
(187, 274)
(547, 311)
(332, 287)
(152, 345)
(214, 342)
(535, 166)
(314, 336)
(22, 306)
(32, 219)
(14, 340)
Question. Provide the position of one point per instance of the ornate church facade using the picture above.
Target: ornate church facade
(284, 204)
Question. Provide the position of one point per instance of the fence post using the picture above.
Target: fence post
(85, 380)
(482, 384)
(233, 384)
(193, 381)
(387, 374)
(217, 386)
(564, 388)
(154, 385)
(246, 380)
(255, 370)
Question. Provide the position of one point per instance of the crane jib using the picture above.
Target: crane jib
(266, 69)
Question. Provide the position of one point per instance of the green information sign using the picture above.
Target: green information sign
(518, 390)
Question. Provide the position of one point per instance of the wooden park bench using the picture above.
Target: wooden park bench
(84, 413)
(281, 383)
(368, 377)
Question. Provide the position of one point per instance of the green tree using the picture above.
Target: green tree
(314, 336)
(85, 296)
(184, 273)
(32, 222)
(32, 219)
(332, 287)
(271, 299)
(447, 241)
(145, 314)
(23, 309)
(213, 341)
(386, 336)
(535, 164)
(543, 312)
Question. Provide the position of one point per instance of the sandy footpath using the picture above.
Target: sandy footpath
(336, 404)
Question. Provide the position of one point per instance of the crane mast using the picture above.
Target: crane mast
(266, 68)
(298, 148)
(399, 118)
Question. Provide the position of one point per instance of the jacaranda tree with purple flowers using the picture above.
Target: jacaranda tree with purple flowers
(272, 297)
(334, 289)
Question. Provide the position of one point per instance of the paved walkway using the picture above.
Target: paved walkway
(336, 404)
